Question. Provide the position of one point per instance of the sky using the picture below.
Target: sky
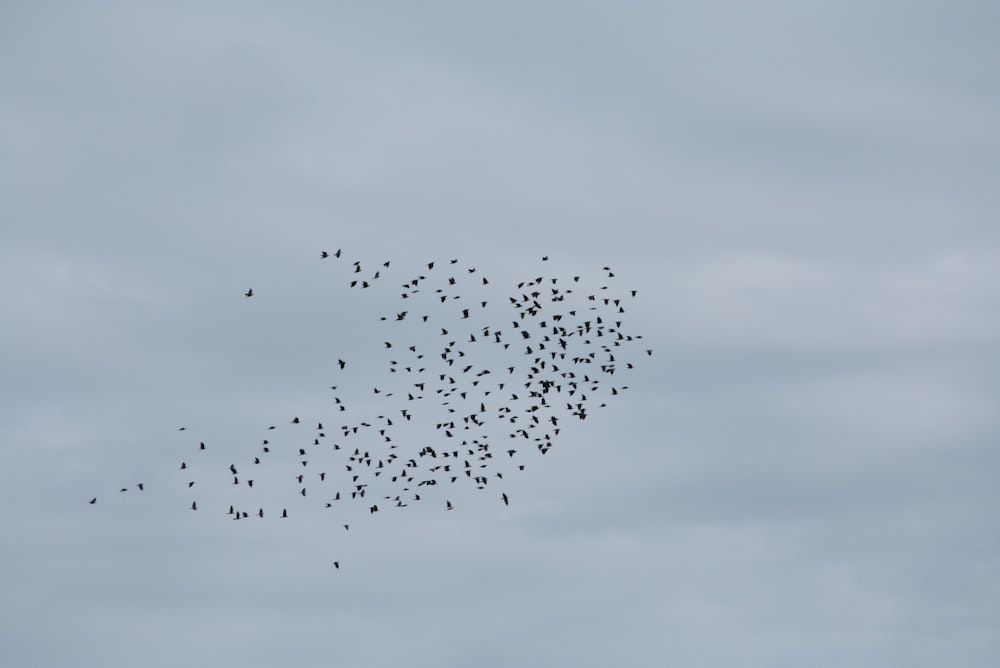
(802, 194)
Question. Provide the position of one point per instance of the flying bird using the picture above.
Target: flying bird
(578, 342)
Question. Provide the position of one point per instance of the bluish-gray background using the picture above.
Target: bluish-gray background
(806, 473)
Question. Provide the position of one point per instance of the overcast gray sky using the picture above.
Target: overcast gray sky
(805, 473)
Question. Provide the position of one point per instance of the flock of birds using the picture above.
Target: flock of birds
(458, 379)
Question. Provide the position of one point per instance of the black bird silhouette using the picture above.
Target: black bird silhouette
(93, 501)
(572, 350)
(249, 293)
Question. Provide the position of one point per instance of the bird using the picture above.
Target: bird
(249, 293)
(93, 501)
(578, 340)
(194, 505)
(336, 564)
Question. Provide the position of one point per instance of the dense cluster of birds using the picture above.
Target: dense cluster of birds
(469, 377)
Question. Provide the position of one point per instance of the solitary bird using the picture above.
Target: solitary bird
(249, 293)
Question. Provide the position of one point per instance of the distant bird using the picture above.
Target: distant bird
(576, 341)
(336, 564)
(194, 505)
(93, 501)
